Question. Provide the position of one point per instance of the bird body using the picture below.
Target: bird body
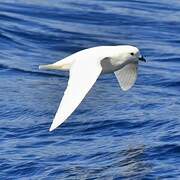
(94, 54)
(85, 67)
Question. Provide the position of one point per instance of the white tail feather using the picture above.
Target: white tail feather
(49, 66)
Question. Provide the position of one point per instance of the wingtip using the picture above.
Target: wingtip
(125, 89)
(52, 128)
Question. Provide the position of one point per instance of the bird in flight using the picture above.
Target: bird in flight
(84, 69)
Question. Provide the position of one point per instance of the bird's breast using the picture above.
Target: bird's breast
(109, 66)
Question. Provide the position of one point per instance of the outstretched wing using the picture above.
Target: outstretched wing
(83, 74)
(127, 76)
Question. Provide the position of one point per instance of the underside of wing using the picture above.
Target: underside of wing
(127, 76)
(83, 74)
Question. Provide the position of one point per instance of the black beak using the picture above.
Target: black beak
(142, 59)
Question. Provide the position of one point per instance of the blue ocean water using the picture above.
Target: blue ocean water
(113, 134)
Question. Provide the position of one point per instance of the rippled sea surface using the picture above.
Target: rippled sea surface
(113, 134)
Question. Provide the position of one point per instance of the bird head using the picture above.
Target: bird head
(130, 54)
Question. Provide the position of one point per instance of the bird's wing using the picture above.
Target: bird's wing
(127, 76)
(83, 74)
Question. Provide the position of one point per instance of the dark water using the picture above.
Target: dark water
(113, 134)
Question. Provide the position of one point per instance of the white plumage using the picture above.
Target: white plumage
(85, 67)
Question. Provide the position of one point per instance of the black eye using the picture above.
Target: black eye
(132, 54)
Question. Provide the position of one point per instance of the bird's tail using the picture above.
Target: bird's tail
(56, 66)
(48, 66)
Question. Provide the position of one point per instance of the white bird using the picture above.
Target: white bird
(85, 67)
